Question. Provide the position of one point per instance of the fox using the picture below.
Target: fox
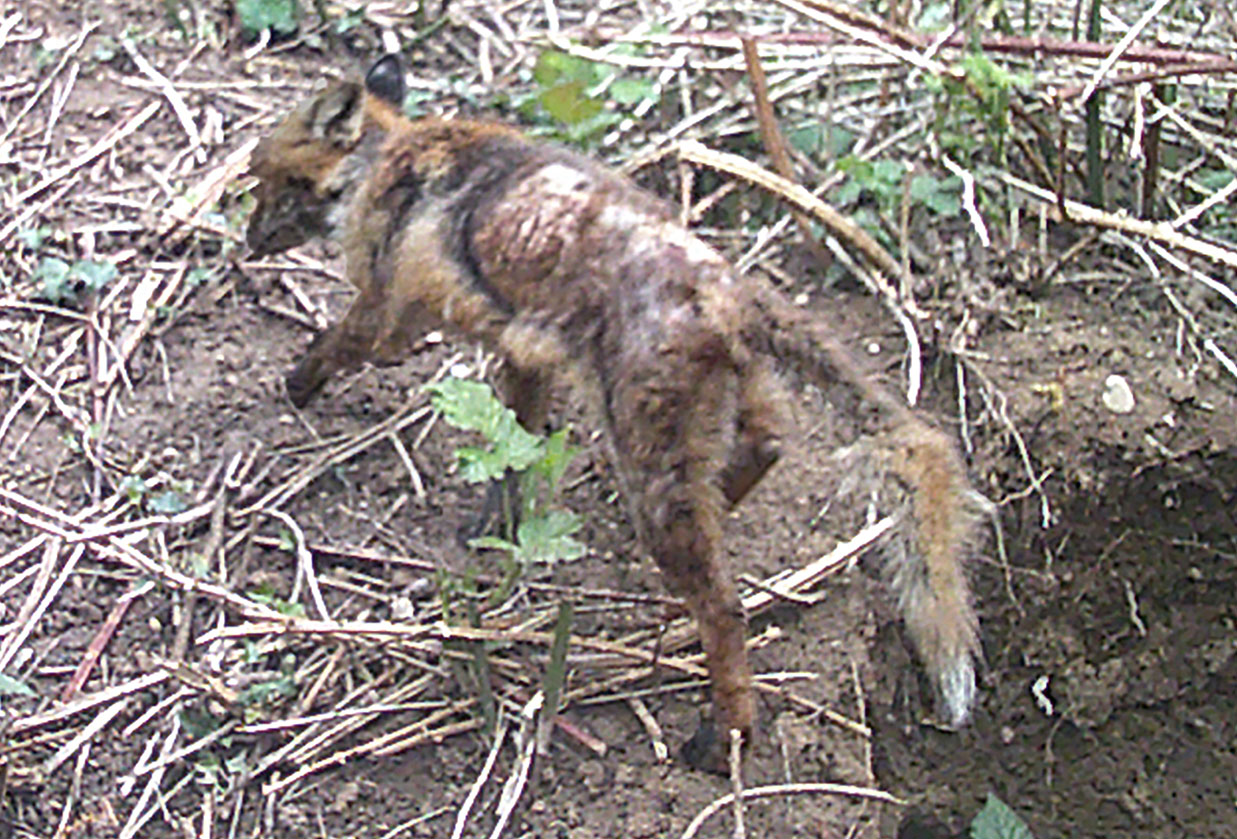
(569, 271)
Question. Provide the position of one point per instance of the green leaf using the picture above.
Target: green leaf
(12, 687)
(555, 67)
(888, 172)
(262, 692)
(1215, 179)
(133, 487)
(349, 20)
(809, 139)
(478, 466)
(281, 16)
(32, 237)
(549, 538)
(937, 195)
(997, 821)
(94, 275)
(472, 406)
(53, 275)
(465, 404)
(631, 91)
(167, 502)
(568, 104)
(848, 193)
(556, 456)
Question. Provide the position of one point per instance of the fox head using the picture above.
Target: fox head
(298, 164)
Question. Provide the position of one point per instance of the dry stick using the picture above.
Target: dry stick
(462, 818)
(514, 788)
(1158, 231)
(1213, 66)
(341, 453)
(775, 144)
(145, 310)
(206, 192)
(87, 702)
(97, 644)
(97, 150)
(798, 196)
(1111, 59)
(311, 741)
(736, 781)
(43, 604)
(140, 813)
(373, 746)
(837, 24)
(118, 551)
(210, 551)
(788, 789)
(84, 736)
(47, 81)
(169, 91)
(304, 563)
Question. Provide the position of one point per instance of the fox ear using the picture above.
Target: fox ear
(386, 79)
(336, 116)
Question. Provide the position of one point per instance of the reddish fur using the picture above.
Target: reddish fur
(550, 259)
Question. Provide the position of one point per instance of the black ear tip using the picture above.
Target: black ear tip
(386, 79)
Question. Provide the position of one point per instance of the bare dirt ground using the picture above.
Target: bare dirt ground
(146, 443)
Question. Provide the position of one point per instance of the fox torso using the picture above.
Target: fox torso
(488, 233)
(553, 260)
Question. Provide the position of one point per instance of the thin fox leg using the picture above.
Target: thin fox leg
(372, 330)
(761, 423)
(667, 423)
(342, 346)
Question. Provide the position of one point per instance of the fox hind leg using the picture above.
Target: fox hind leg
(668, 424)
(760, 426)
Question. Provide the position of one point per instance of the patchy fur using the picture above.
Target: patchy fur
(551, 259)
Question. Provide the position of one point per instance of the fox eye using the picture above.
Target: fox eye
(300, 184)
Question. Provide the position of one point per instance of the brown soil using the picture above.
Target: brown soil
(1116, 588)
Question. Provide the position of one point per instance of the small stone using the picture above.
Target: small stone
(1118, 397)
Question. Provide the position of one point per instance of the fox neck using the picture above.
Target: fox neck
(348, 178)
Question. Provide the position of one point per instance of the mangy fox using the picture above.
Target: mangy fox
(555, 263)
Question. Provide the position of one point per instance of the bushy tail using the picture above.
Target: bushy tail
(927, 563)
(927, 568)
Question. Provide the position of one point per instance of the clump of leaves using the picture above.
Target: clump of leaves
(983, 96)
(579, 99)
(544, 533)
(880, 182)
(169, 501)
(280, 16)
(997, 821)
(62, 282)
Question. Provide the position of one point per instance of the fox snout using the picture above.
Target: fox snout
(293, 218)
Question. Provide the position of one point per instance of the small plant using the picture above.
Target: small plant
(573, 96)
(984, 96)
(280, 16)
(265, 594)
(543, 534)
(62, 282)
(881, 181)
(997, 821)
